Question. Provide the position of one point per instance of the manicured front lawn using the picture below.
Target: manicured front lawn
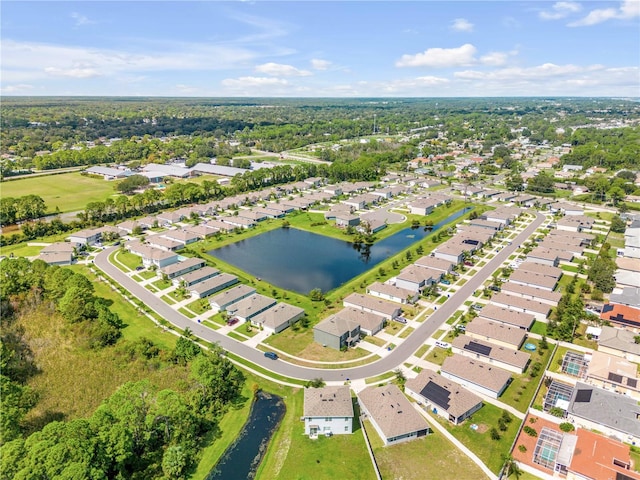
(162, 284)
(421, 351)
(128, 259)
(406, 332)
(186, 313)
(437, 355)
(479, 441)
(429, 458)
(199, 306)
(147, 274)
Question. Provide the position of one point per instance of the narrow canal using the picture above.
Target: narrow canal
(243, 457)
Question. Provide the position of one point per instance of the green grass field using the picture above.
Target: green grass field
(479, 441)
(68, 191)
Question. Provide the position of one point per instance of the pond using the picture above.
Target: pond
(243, 457)
(300, 261)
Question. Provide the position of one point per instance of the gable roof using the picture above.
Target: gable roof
(391, 410)
(447, 394)
(334, 401)
(476, 372)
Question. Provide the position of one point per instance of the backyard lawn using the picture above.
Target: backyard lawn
(426, 458)
(479, 441)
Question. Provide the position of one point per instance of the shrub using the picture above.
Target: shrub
(530, 431)
(522, 448)
(495, 435)
(567, 427)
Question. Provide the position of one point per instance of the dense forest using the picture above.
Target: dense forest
(53, 132)
(140, 431)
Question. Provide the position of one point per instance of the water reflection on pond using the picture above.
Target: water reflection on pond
(301, 261)
(243, 457)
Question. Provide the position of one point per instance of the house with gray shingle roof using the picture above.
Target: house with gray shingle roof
(249, 307)
(328, 411)
(336, 332)
(278, 317)
(476, 375)
(229, 297)
(391, 414)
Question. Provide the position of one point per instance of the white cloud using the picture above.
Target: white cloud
(247, 82)
(628, 10)
(281, 70)
(25, 61)
(560, 10)
(440, 57)
(186, 89)
(461, 25)
(81, 20)
(546, 70)
(19, 88)
(318, 64)
(494, 59)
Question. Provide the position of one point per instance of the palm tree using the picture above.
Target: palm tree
(511, 467)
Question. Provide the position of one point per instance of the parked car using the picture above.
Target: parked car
(232, 321)
(400, 319)
(444, 281)
(468, 264)
(271, 355)
(495, 288)
(442, 344)
(139, 267)
(476, 306)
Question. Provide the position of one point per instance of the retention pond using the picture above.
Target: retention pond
(301, 261)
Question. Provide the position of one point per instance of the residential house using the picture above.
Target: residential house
(496, 332)
(392, 293)
(509, 359)
(613, 373)
(435, 263)
(223, 300)
(153, 256)
(387, 310)
(183, 236)
(416, 278)
(249, 307)
(370, 323)
(442, 396)
(618, 419)
(621, 314)
(195, 276)
(476, 375)
(277, 318)
(507, 316)
(328, 411)
(532, 293)
(59, 258)
(164, 243)
(619, 342)
(337, 333)
(213, 285)
(538, 309)
(391, 414)
(181, 268)
(89, 236)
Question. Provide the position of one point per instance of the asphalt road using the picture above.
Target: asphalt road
(390, 362)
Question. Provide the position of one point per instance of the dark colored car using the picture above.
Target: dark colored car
(271, 355)
(232, 321)
(495, 288)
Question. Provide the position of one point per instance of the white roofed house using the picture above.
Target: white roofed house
(164, 243)
(223, 300)
(476, 375)
(153, 256)
(89, 236)
(278, 317)
(328, 411)
(213, 285)
(196, 276)
(180, 268)
(168, 218)
(109, 173)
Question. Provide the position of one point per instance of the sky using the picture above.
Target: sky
(320, 48)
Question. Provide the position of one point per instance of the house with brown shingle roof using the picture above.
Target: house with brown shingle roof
(476, 375)
(328, 411)
(444, 397)
(496, 332)
(507, 316)
(391, 414)
(537, 309)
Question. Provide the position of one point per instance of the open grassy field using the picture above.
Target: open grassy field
(68, 191)
(429, 458)
(73, 380)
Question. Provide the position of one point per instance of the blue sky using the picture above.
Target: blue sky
(321, 48)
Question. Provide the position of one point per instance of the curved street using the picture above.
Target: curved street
(390, 362)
